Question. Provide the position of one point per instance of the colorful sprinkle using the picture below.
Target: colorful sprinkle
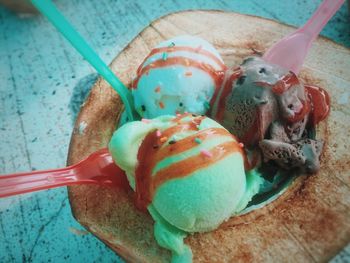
(157, 89)
(206, 66)
(206, 153)
(163, 139)
(158, 133)
(241, 145)
(188, 73)
(178, 115)
(145, 120)
(197, 140)
(172, 44)
(194, 121)
(156, 146)
(161, 105)
(165, 56)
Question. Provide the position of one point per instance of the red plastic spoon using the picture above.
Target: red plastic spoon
(98, 168)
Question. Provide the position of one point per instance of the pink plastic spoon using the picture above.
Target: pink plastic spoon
(98, 168)
(291, 51)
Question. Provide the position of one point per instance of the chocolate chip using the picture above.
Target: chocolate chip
(262, 71)
(143, 107)
(181, 104)
(241, 80)
(156, 146)
(172, 142)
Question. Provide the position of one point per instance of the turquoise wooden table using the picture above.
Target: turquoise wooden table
(42, 84)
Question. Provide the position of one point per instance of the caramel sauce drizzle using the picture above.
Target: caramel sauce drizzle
(281, 85)
(253, 133)
(285, 83)
(227, 89)
(217, 76)
(172, 49)
(148, 157)
(300, 115)
(317, 103)
(320, 103)
(189, 142)
(189, 165)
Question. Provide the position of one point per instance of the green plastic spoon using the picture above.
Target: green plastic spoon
(47, 8)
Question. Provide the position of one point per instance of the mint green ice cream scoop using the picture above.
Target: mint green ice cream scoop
(187, 171)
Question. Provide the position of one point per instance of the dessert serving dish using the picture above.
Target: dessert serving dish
(308, 221)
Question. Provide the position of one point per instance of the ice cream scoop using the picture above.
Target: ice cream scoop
(187, 171)
(265, 105)
(179, 75)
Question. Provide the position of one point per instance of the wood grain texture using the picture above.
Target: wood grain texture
(309, 223)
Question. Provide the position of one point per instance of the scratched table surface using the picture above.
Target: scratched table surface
(42, 84)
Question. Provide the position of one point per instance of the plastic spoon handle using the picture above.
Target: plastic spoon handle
(47, 8)
(290, 52)
(15, 184)
(98, 168)
(320, 18)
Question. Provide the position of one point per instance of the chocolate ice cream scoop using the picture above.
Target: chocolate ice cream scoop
(267, 107)
(303, 154)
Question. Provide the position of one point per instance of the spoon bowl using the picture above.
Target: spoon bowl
(290, 51)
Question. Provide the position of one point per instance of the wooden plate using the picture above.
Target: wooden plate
(310, 222)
